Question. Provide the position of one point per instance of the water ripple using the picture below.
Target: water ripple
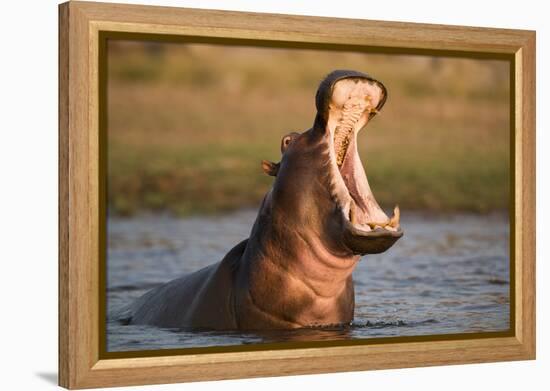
(446, 275)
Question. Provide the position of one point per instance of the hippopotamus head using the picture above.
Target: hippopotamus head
(321, 189)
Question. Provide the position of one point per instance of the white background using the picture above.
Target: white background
(28, 194)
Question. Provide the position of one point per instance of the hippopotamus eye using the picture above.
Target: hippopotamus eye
(287, 140)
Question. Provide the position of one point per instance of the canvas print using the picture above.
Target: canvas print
(263, 195)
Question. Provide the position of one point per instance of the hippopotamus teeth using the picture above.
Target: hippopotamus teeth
(352, 111)
(392, 224)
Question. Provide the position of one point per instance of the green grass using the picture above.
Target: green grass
(185, 180)
(189, 125)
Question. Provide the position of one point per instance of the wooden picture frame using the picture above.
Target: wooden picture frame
(82, 26)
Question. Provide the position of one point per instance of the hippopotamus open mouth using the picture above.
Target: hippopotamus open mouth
(347, 100)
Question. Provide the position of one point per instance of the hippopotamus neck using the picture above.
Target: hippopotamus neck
(289, 266)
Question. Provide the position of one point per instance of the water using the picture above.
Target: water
(446, 275)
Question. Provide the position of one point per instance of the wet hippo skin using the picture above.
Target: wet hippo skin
(313, 226)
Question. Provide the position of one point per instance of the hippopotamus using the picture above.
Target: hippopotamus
(313, 226)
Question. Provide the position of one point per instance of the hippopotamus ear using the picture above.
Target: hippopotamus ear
(270, 168)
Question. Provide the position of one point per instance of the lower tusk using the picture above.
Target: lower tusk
(394, 221)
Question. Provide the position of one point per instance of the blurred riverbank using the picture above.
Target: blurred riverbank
(189, 124)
